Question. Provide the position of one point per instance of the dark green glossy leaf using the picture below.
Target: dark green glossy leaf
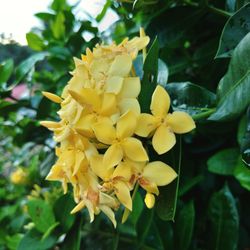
(62, 209)
(190, 98)
(242, 174)
(235, 29)
(35, 42)
(26, 66)
(224, 162)
(224, 221)
(149, 80)
(184, 226)
(32, 240)
(41, 214)
(235, 85)
(72, 240)
(6, 68)
(242, 129)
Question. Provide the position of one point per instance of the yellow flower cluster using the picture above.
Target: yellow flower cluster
(19, 176)
(100, 121)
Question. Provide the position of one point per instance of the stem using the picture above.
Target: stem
(219, 11)
(203, 114)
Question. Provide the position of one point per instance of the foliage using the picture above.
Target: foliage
(202, 52)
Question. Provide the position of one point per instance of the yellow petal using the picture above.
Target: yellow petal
(123, 194)
(113, 156)
(160, 102)
(109, 105)
(127, 104)
(138, 43)
(150, 187)
(134, 149)
(121, 66)
(131, 87)
(149, 200)
(159, 173)
(105, 199)
(105, 132)
(180, 122)
(50, 125)
(126, 125)
(78, 207)
(122, 170)
(79, 157)
(87, 97)
(114, 84)
(101, 170)
(52, 97)
(163, 140)
(109, 212)
(84, 125)
(56, 173)
(145, 125)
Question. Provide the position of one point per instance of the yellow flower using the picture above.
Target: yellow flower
(161, 124)
(19, 176)
(149, 200)
(121, 140)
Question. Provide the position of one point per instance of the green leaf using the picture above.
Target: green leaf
(190, 98)
(224, 162)
(235, 85)
(32, 240)
(34, 41)
(62, 209)
(242, 174)
(185, 226)
(13, 241)
(242, 129)
(41, 214)
(26, 66)
(224, 221)
(234, 30)
(149, 80)
(72, 240)
(6, 69)
(167, 200)
(58, 27)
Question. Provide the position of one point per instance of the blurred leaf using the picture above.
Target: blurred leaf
(72, 240)
(6, 69)
(26, 66)
(224, 221)
(32, 240)
(224, 162)
(41, 214)
(34, 41)
(190, 98)
(13, 241)
(242, 174)
(234, 30)
(44, 16)
(149, 80)
(242, 129)
(185, 226)
(58, 27)
(62, 208)
(235, 85)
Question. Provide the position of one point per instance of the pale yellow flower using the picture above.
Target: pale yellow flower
(162, 124)
(120, 140)
(19, 176)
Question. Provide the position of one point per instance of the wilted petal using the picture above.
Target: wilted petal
(113, 156)
(127, 104)
(123, 194)
(121, 66)
(160, 102)
(131, 87)
(105, 132)
(159, 173)
(114, 84)
(126, 125)
(134, 149)
(145, 125)
(180, 122)
(109, 212)
(163, 140)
